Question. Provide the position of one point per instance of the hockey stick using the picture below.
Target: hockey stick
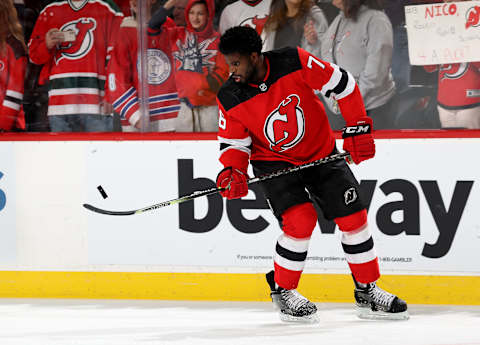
(214, 190)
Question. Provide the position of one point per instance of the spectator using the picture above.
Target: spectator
(360, 39)
(252, 13)
(415, 88)
(123, 82)
(400, 60)
(13, 62)
(328, 9)
(35, 99)
(295, 23)
(200, 68)
(72, 39)
(458, 95)
(178, 12)
(401, 69)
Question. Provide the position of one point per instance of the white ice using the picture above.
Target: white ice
(128, 322)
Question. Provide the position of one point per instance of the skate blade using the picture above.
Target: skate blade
(299, 319)
(368, 314)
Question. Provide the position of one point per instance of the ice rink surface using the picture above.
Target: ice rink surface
(122, 322)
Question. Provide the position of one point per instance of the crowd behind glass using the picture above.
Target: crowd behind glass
(81, 66)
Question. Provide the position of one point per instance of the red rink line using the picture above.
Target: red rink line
(118, 136)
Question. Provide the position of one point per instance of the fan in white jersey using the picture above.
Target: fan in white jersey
(251, 13)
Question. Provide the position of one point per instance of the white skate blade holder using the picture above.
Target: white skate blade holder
(369, 314)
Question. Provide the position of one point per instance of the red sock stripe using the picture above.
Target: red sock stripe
(367, 272)
(285, 278)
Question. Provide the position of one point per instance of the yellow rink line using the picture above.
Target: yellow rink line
(227, 286)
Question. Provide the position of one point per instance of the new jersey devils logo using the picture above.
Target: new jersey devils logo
(256, 23)
(473, 17)
(350, 195)
(285, 126)
(453, 71)
(84, 39)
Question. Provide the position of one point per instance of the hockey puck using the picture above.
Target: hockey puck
(102, 192)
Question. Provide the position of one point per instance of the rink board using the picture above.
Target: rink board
(422, 195)
(228, 286)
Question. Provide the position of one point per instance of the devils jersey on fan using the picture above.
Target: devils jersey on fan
(253, 14)
(123, 81)
(458, 85)
(76, 69)
(282, 118)
(13, 62)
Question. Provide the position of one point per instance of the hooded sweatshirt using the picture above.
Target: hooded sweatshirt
(364, 48)
(200, 68)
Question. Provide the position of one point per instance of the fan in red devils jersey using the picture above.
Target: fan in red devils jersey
(13, 63)
(270, 116)
(458, 94)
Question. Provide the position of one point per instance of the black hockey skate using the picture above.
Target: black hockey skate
(375, 303)
(292, 306)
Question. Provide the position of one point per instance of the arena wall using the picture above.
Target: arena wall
(422, 189)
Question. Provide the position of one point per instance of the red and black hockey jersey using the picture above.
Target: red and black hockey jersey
(76, 70)
(458, 85)
(123, 82)
(282, 118)
(13, 62)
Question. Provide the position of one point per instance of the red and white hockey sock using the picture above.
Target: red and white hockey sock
(291, 250)
(357, 243)
(289, 260)
(360, 254)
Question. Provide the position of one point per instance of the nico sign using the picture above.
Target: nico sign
(443, 33)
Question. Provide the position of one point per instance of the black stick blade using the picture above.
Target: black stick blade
(111, 213)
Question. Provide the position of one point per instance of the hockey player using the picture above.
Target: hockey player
(72, 39)
(270, 116)
(123, 81)
(200, 69)
(13, 62)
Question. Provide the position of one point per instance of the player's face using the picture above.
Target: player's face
(241, 67)
(198, 16)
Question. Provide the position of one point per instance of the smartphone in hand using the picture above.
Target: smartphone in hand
(69, 36)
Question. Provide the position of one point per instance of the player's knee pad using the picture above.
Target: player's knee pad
(352, 222)
(299, 221)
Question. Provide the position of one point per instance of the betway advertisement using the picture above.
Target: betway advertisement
(422, 196)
